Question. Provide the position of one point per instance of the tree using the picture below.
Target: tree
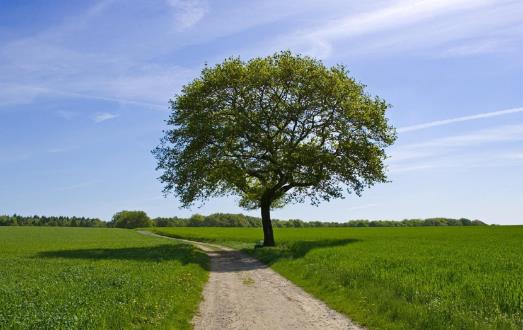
(273, 130)
(131, 219)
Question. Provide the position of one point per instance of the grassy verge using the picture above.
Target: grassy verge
(397, 278)
(63, 278)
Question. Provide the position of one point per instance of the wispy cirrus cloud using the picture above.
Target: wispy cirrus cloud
(67, 115)
(515, 155)
(391, 15)
(460, 161)
(459, 120)
(461, 150)
(415, 24)
(499, 134)
(53, 63)
(104, 116)
(188, 12)
(59, 150)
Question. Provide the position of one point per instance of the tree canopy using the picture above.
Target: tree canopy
(273, 130)
(131, 219)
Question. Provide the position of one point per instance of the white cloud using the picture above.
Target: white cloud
(103, 116)
(187, 13)
(459, 119)
(61, 61)
(414, 24)
(7, 156)
(13, 94)
(503, 134)
(463, 150)
(456, 161)
(473, 48)
(54, 62)
(67, 115)
(148, 85)
(399, 14)
(515, 155)
(402, 168)
(58, 150)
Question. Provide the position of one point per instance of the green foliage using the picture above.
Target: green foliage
(60, 221)
(131, 219)
(241, 220)
(414, 223)
(213, 220)
(229, 220)
(273, 130)
(97, 278)
(398, 278)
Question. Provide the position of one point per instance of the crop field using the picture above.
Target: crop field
(397, 278)
(63, 278)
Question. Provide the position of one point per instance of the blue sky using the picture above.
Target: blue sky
(84, 87)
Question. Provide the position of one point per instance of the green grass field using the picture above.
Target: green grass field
(63, 278)
(398, 278)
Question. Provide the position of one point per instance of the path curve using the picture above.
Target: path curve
(243, 293)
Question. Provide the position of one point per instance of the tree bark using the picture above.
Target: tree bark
(268, 236)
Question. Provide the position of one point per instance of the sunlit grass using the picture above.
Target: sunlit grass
(63, 278)
(398, 278)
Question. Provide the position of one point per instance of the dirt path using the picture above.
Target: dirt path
(243, 293)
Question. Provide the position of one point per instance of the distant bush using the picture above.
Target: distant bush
(131, 219)
(55, 221)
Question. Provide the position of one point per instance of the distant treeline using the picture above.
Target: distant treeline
(59, 221)
(226, 220)
(241, 220)
(213, 220)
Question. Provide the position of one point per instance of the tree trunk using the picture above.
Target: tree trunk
(268, 236)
